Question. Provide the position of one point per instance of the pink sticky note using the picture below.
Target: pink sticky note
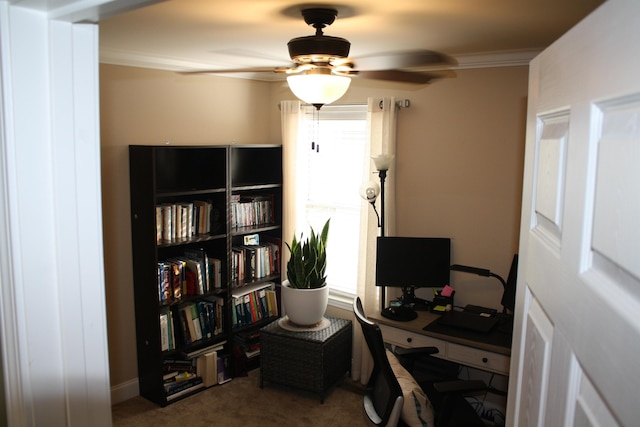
(446, 291)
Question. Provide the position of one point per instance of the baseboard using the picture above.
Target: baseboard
(124, 391)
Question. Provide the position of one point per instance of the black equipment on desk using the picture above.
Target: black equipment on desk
(469, 321)
(400, 313)
(409, 263)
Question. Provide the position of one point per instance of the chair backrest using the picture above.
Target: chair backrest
(384, 400)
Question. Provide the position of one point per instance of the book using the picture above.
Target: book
(172, 336)
(199, 257)
(207, 330)
(224, 370)
(262, 298)
(159, 224)
(215, 271)
(195, 321)
(170, 376)
(192, 333)
(166, 222)
(178, 281)
(165, 293)
(177, 365)
(180, 388)
(238, 303)
(207, 368)
(164, 331)
(248, 308)
(216, 311)
(214, 347)
(272, 302)
(195, 266)
(174, 222)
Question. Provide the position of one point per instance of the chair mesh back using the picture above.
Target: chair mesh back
(383, 387)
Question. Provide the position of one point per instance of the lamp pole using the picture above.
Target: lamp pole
(383, 176)
(382, 162)
(382, 173)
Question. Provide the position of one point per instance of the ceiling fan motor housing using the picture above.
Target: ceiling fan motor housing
(318, 49)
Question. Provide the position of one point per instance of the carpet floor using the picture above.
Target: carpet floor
(241, 402)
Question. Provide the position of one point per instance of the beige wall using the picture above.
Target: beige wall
(459, 164)
(139, 106)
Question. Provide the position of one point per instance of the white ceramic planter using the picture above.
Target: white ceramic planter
(304, 307)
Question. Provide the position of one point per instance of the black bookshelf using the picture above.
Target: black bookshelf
(181, 206)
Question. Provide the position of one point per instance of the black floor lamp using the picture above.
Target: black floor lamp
(382, 163)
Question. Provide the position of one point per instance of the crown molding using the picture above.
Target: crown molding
(141, 60)
(513, 58)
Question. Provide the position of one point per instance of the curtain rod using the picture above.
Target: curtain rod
(402, 103)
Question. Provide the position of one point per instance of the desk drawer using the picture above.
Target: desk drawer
(481, 359)
(408, 339)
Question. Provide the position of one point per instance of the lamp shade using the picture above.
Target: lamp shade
(383, 161)
(318, 88)
(370, 191)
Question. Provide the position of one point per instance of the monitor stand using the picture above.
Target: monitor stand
(401, 313)
(404, 310)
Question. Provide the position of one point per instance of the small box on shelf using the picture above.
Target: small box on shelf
(442, 300)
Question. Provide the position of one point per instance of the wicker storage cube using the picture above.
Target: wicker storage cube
(312, 361)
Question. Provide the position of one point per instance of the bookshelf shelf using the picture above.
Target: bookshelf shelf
(183, 246)
(191, 240)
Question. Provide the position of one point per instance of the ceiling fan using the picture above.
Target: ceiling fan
(327, 57)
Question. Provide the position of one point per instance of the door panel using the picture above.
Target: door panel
(550, 175)
(576, 352)
(535, 372)
(618, 150)
(590, 409)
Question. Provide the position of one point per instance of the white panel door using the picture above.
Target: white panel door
(576, 352)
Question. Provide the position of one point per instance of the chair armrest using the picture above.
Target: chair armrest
(461, 386)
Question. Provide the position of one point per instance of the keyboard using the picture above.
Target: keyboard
(468, 321)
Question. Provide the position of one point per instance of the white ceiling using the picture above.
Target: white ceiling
(186, 35)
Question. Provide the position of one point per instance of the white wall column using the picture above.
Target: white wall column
(55, 366)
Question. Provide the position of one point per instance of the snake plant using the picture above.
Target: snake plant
(308, 262)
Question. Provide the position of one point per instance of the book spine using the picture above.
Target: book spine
(183, 389)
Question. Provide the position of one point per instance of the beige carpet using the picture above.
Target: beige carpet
(242, 402)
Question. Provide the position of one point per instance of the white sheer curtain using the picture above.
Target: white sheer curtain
(381, 119)
(290, 118)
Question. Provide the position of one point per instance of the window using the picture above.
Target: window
(333, 146)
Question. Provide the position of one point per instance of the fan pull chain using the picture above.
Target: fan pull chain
(316, 125)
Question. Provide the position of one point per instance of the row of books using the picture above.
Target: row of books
(253, 303)
(251, 211)
(209, 367)
(193, 322)
(249, 343)
(195, 273)
(183, 220)
(251, 262)
(181, 384)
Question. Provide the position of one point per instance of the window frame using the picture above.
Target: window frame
(311, 121)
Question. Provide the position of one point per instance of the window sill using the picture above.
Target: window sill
(341, 300)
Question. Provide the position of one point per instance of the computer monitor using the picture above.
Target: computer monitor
(509, 295)
(413, 262)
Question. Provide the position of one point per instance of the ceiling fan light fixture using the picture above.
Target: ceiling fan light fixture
(318, 86)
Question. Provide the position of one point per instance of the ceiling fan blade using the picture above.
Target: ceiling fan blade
(406, 59)
(240, 70)
(395, 76)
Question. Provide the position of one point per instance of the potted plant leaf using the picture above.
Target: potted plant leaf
(305, 293)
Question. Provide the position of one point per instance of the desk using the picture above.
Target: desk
(489, 352)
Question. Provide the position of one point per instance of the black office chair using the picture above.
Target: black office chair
(393, 397)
